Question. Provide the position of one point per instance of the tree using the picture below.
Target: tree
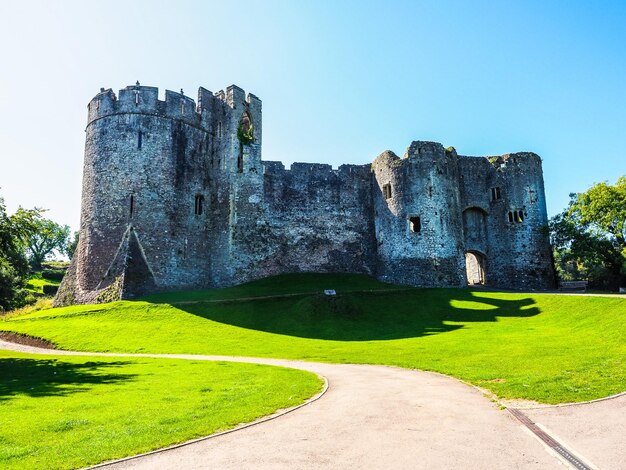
(13, 262)
(44, 237)
(589, 236)
(602, 210)
(72, 244)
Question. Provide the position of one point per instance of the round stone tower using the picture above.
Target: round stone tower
(138, 154)
(418, 217)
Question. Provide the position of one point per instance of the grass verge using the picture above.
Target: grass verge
(59, 412)
(545, 347)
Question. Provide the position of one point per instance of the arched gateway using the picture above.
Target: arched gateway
(475, 234)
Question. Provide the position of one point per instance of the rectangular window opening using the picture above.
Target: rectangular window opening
(495, 193)
(387, 190)
(198, 205)
(132, 205)
(516, 216)
(415, 224)
(139, 139)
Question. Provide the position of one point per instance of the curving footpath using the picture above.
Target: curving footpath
(387, 417)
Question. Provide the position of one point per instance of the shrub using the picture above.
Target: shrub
(53, 274)
(49, 289)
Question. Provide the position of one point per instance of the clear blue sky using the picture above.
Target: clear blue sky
(340, 81)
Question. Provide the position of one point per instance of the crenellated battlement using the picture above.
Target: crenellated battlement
(139, 99)
(509, 162)
(314, 170)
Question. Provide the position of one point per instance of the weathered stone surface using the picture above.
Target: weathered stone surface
(173, 200)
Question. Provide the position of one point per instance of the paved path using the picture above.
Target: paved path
(386, 417)
(596, 430)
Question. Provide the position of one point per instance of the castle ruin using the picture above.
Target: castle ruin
(176, 196)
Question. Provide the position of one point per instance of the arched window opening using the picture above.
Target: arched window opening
(246, 123)
(245, 130)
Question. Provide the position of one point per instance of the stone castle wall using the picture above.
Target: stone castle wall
(173, 199)
(307, 218)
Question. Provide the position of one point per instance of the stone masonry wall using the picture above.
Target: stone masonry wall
(423, 186)
(307, 218)
(173, 199)
(517, 249)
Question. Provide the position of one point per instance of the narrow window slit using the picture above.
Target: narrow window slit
(240, 162)
(198, 204)
(139, 139)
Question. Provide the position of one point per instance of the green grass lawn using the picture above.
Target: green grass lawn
(544, 347)
(36, 282)
(285, 284)
(69, 412)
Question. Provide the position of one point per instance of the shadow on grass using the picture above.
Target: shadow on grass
(364, 316)
(51, 377)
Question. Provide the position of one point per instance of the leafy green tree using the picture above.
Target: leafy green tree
(44, 237)
(602, 211)
(589, 237)
(70, 249)
(14, 266)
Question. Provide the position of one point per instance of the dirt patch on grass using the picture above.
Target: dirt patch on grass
(26, 340)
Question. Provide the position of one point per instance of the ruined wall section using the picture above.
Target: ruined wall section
(418, 217)
(240, 184)
(510, 190)
(306, 218)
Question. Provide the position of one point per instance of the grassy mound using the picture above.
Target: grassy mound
(549, 348)
(70, 412)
